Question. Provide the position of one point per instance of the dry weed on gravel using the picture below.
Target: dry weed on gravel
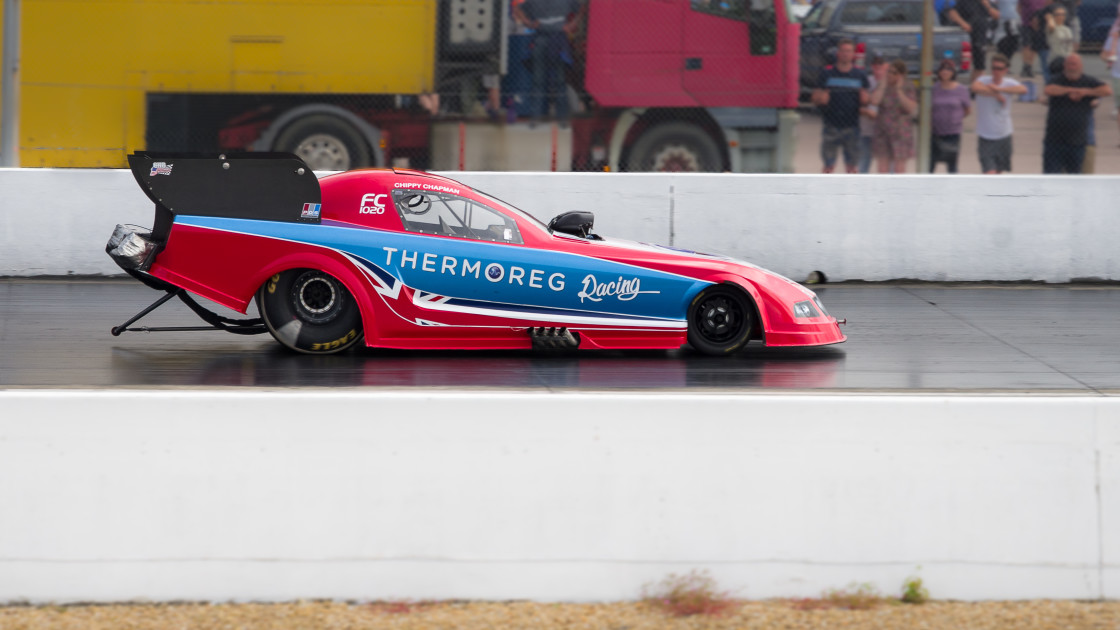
(752, 615)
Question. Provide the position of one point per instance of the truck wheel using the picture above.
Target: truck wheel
(310, 311)
(675, 147)
(325, 143)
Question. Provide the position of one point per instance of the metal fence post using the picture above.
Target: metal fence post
(925, 95)
(9, 107)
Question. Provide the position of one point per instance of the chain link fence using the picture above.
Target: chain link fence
(582, 85)
(996, 77)
(600, 85)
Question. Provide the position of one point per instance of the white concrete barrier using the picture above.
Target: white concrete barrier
(1053, 228)
(108, 496)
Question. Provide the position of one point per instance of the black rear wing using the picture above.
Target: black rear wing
(263, 186)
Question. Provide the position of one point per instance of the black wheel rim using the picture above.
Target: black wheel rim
(316, 297)
(720, 318)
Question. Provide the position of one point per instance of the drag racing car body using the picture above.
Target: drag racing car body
(406, 259)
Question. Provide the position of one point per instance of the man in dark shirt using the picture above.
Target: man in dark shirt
(841, 92)
(1067, 123)
(1033, 34)
(552, 21)
(981, 18)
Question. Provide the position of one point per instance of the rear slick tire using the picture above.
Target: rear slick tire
(310, 311)
(720, 320)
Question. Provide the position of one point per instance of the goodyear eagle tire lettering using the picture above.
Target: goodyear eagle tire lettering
(310, 311)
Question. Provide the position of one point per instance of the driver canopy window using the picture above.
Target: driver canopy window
(451, 215)
(758, 14)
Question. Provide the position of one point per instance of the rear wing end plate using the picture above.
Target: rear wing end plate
(262, 186)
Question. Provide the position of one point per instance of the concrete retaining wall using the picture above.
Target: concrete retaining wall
(1053, 229)
(110, 496)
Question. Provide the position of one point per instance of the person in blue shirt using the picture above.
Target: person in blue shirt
(841, 92)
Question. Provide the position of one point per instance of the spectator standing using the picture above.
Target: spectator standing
(1073, 21)
(950, 104)
(893, 142)
(1007, 34)
(1059, 36)
(1045, 57)
(551, 21)
(981, 18)
(994, 95)
(1032, 34)
(1067, 122)
(841, 92)
(869, 111)
(1109, 54)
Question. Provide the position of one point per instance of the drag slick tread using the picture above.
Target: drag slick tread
(310, 311)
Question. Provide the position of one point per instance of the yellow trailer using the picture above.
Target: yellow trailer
(92, 71)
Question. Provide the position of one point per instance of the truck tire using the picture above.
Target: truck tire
(675, 147)
(325, 143)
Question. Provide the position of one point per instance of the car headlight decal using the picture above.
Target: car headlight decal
(805, 309)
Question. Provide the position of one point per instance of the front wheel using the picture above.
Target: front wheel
(310, 311)
(720, 320)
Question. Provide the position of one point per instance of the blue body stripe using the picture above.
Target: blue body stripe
(385, 276)
(484, 272)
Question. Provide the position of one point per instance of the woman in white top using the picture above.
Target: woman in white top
(1058, 35)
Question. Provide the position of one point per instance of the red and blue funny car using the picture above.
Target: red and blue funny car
(398, 258)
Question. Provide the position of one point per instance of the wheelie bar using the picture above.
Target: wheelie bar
(217, 322)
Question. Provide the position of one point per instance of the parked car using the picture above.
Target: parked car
(891, 28)
(398, 258)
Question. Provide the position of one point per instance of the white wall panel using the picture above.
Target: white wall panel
(280, 495)
(1053, 229)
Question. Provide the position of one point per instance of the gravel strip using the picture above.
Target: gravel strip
(768, 615)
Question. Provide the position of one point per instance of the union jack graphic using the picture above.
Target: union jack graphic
(161, 168)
